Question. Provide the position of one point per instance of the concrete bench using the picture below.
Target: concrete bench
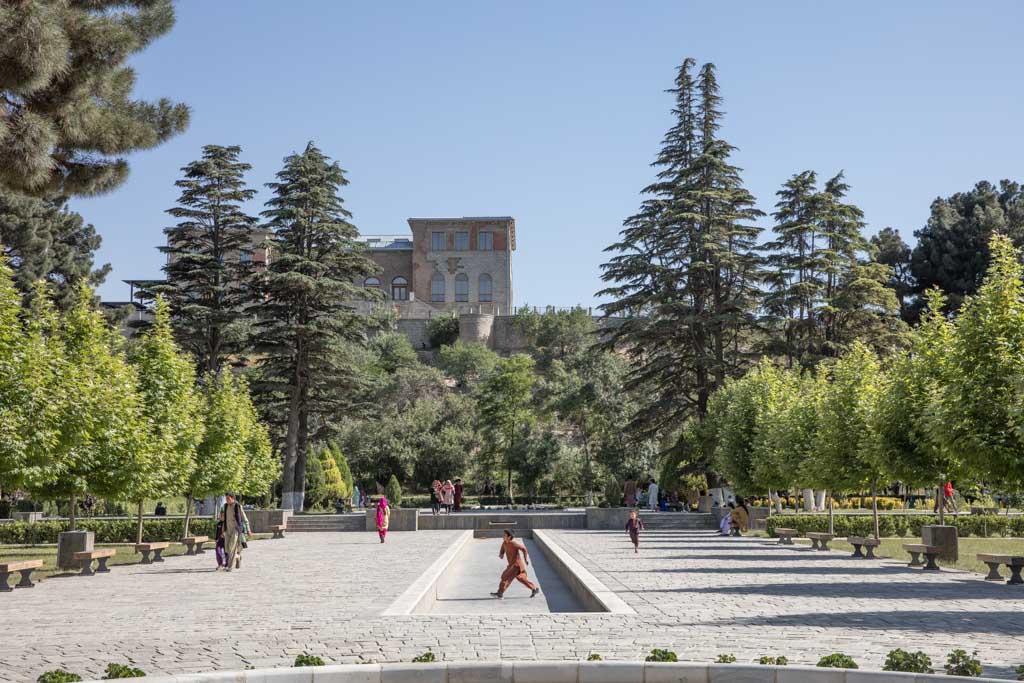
(194, 544)
(26, 567)
(278, 530)
(87, 556)
(929, 551)
(156, 548)
(786, 535)
(819, 541)
(858, 542)
(1014, 563)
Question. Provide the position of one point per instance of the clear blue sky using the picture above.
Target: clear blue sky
(552, 111)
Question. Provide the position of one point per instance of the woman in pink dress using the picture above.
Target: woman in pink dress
(448, 495)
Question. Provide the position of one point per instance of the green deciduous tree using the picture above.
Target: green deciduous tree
(506, 409)
(205, 271)
(892, 251)
(307, 328)
(66, 108)
(171, 407)
(467, 363)
(983, 418)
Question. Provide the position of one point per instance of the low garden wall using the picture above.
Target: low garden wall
(495, 520)
(558, 672)
(402, 519)
(902, 525)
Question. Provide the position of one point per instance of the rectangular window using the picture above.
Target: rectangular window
(245, 256)
(485, 241)
(438, 241)
(437, 288)
(461, 241)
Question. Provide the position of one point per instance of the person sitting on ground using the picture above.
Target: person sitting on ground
(739, 519)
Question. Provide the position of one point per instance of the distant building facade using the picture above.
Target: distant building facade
(447, 266)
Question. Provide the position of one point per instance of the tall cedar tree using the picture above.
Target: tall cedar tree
(66, 112)
(824, 288)
(952, 249)
(685, 271)
(205, 274)
(307, 327)
(44, 240)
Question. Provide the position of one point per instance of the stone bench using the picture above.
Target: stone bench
(87, 556)
(858, 542)
(819, 541)
(1013, 562)
(278, 530)
(26, 567)
(786, 535)
(156, 548)
(194, 544)
(929, 551)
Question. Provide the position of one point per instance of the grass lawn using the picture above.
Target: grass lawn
(48, 554)
(968, 548)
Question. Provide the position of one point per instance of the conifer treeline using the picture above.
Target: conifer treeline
(704, 298)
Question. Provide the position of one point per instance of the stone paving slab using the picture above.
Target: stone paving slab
(695, 593)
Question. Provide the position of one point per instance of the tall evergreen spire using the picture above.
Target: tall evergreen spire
(684, 268)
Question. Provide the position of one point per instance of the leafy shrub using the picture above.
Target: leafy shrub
(308, 660)
(594, 657)
(393, 491)
(774, 661)
(122, 671)
(613, 493)
(837, 660)
(661, 656)
(425, 658)
(106, 530)
(58, 676)
(1020, 672)
(726, 659)
(959, 663)
(914, 662)
(443, 330)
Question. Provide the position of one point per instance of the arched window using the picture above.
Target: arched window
(372, 282)
(486, 294)
(462, 287)
(400, 289)
(437, 288)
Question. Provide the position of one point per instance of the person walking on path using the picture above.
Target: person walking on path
(435, 497)
(515, 553)
(448, 495)
(458, 494)
(634, 526)
(236, 531)
(652, 495)
(629, 494)
(383, 518)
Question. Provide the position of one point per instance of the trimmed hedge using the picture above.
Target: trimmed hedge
(106, 530)
(900, 525)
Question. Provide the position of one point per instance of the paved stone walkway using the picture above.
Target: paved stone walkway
(695, 593)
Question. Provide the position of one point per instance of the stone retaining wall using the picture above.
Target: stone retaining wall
(523, 520)
(557, 672)
(402, 519)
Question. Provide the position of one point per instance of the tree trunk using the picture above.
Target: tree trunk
(72, 507)
(940, 501)
(301, 455)
(188, 513)
(291, 453)
(773, 497)
(138, 526)
(831, 521)
(874, 508)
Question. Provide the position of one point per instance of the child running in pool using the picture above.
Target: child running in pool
(633, 527)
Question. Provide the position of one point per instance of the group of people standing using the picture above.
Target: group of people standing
(446, 496)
